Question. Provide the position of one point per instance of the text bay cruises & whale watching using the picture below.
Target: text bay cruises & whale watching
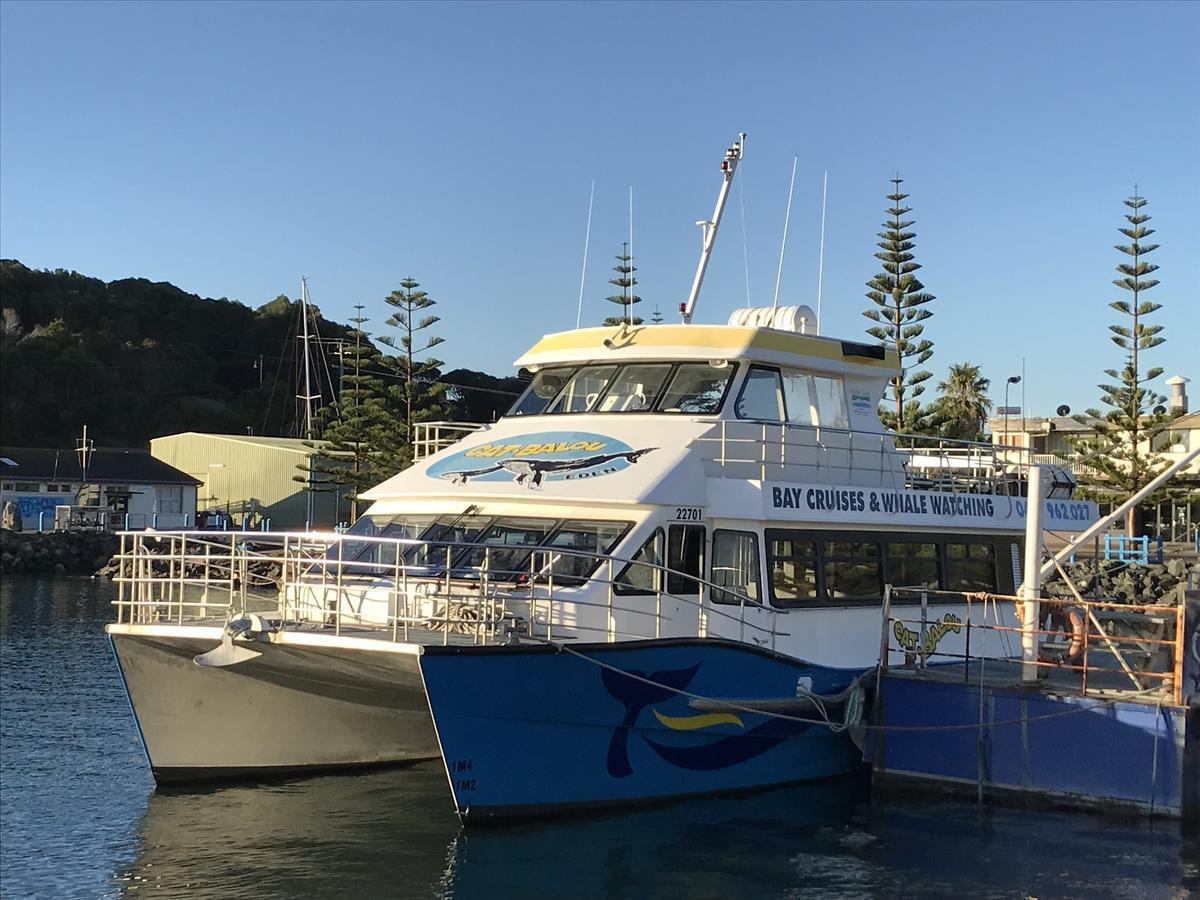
(661, 574)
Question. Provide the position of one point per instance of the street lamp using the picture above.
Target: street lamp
(1012, 379)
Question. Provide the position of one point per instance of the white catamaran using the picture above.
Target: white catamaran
(660, 574)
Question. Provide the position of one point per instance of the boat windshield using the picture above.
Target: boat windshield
(512, 549)
(695, 388)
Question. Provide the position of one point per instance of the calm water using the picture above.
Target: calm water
(79, 817)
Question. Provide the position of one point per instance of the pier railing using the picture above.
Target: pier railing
(1088, 646)
(820, 454)
(417, 590)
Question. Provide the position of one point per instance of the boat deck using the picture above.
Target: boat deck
(1133, 687)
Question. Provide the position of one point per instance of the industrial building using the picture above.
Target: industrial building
(247, 480)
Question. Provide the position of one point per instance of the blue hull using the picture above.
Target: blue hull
(531, 729)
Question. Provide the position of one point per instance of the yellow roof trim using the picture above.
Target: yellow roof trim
(718, 340)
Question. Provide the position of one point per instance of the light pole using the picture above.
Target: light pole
(1012, 379)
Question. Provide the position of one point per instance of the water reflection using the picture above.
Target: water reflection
(394, 833)
(383, 833)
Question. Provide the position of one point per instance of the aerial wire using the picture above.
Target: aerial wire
(783, 246)
(632, 279)
(821, 254)
(745, 241)
(587, 236)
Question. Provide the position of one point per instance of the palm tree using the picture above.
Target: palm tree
(963, 405)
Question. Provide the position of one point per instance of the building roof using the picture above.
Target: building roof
(105, 466)
(299, 446)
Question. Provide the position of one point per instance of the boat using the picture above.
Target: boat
(662, 574)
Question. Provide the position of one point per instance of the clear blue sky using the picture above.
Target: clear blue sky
(231, 148)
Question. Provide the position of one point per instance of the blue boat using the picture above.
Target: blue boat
(606, 724)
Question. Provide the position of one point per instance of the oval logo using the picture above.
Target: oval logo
(530, 459)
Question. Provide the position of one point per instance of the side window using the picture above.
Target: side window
(913, 564)
(970, 567)
(762, 396)
(793, 563)
(735, 566)
(800, 398)
(638, 577)
(685, 559)
(852, 570)
(831, 401)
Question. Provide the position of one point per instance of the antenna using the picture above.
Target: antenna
(708, 229)
(821, 254)
(745, 239)
(587, 235)
(629, 306)
(787, 218)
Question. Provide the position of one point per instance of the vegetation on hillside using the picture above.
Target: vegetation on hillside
(135, 359)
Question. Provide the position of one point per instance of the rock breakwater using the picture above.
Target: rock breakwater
(56, 552)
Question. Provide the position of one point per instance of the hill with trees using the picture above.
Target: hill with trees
(136, 359)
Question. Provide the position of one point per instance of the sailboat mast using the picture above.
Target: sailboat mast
(708, 229)
(308, 395)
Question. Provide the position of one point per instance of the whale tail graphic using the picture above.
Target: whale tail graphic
(636, 695)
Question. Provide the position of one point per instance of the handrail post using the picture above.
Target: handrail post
(883, 636)
(924, 627)
(611, 635)
(1177, 650)
(550, 596)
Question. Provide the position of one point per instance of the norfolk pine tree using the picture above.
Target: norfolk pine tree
(420, 395)
(900, 300)
(1132, 418)
(625, 280)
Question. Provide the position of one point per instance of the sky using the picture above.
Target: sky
(230, 148)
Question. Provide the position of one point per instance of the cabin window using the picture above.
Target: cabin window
(913, 564)
(735, 566)
(831, 401)
(507, 546)
(581, 391)
(761, 397)
(685, 559)
(641, 575)
(852, 570)
(381, 553)
(799, 398)
(970, 567)
(588, 538)
(696, 388)
(793, 564)
(545, 387)
(636, 388)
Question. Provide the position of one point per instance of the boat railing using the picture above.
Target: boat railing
(432, 437)
(418, 590)
(1089, 647)
(826, 455)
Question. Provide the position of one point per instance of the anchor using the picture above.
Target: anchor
(246, 627)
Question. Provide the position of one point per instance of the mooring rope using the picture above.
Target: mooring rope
(828, 722)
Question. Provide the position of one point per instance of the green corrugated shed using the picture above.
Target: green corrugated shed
(243, 475)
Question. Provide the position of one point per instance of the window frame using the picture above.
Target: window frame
(819, 537)
(714, 591)
(659, 533)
